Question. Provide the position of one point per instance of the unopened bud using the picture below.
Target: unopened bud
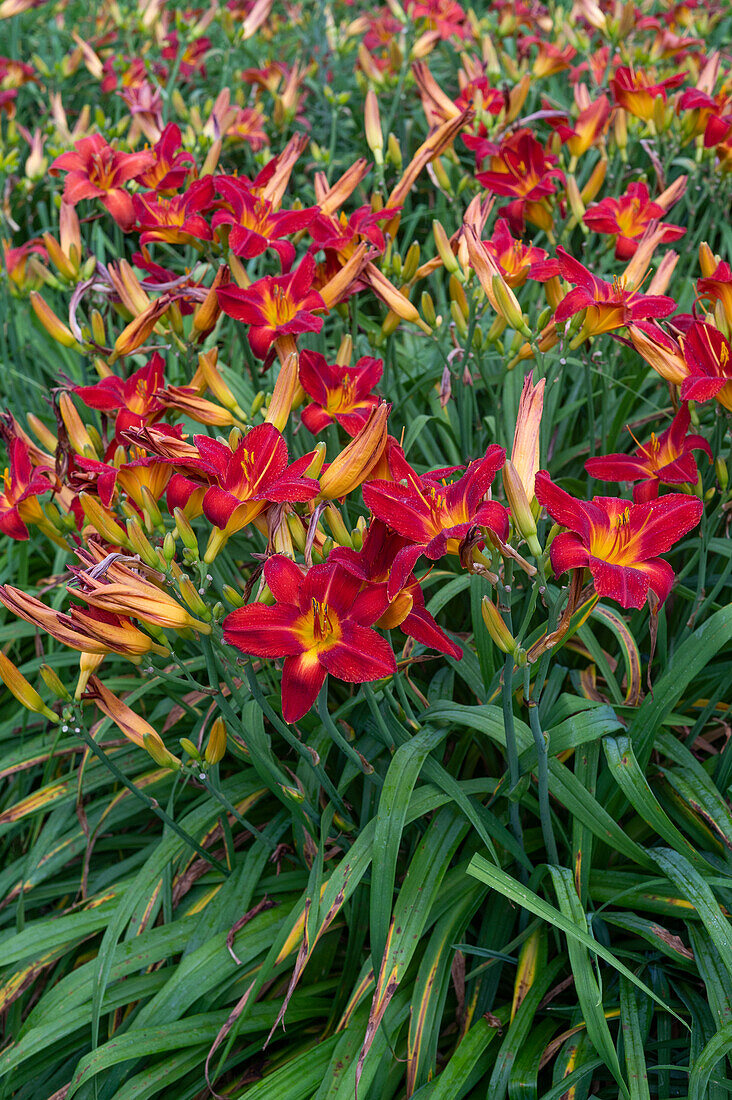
(216, 746)
(345, 351)
(496, 627)
(508, 306)
(720, 467)
(159, 753)
(316, 464)
(445, 252)
(187, 745)
(707, 260)
(53, 682)
(232, 596)
(372, 126)
(411, 262)
(168, 546)
(142, 545)
(23, 691)
(186, 534)
(428, 308)
(520, 508)
(393, 151)
(55, 328)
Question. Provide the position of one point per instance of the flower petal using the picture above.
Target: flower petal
(264, 631)
(302, 679)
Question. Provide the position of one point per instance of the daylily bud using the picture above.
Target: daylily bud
(159, 753)
(24, 692)
(192, 598)
(461, 321)
(216, 746)
(496, 627)
(411, 262)
(372, 125)
(103, 522)
(142, 545)
(520, 508)
(525, 451)
(55, 328)
(398, 303)
(659, 113)
(187, 745)
(576, 204)
(393, 151)
(720, 467)
(232, 596)
(345, 351)
(428, 308)
(43, 434)
(316, 465)
(353, 465)
(259, 399)
(621, 131)
(212, 159)
(75, 428)
(150, 508)
(449, 260)
(707, 260)
(53, 682)
(278, 410)
(508, 306)
(334, 519)
(595, 182)
(186, 533)
(168, 547)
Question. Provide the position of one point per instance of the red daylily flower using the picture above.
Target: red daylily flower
(250, 477)
(178, 219)
(320, 624)
(338, 393)
(609, 305)
(446, 17)
(136, 397)
(708, 361)
(275, 306)
(341, 234)
(434, 514)
(666, 459)
(372, 564)
(627, 218)
(713, 114)
(619, 542)
(172, 165)
(518, 261)
(585, 130)
(255, 224)
(717, 287)
(522, 170)
(191, 59)
(22, 483)
(636, 91)
(96, 170)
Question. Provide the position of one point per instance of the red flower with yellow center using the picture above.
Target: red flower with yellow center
(249, 478)
(275, 306)
(709, 364)
(21, 485)
(255, 224)
(713, 114)
(516, 260)
(178, 219)
(434, 514)
(717, 287)
(619, 542)
(372, 564)
(320, 624)
(522, 170)
(96, 170)
(609, 305)
(636, 91)
(627, 218)
(666, 459)
(585, 130)
(338, 393)
(172, 164)
(136, 397)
